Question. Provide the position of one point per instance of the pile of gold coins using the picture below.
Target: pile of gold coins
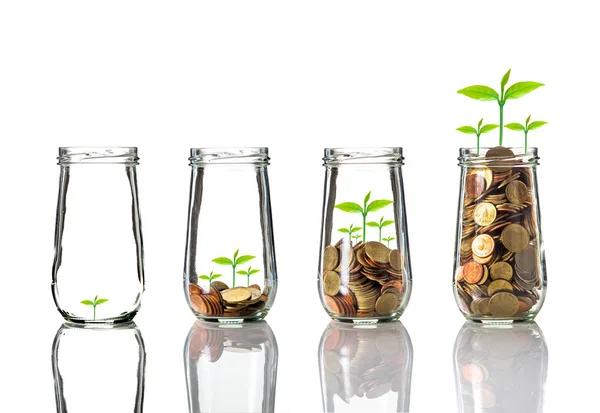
(364, 280)
(222, 301)
(498, 273)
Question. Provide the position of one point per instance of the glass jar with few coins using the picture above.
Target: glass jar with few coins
(500, 270)
(364, 268)
(230, 273)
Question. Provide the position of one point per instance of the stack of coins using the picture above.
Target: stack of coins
(498, 271)
(364, 280)
(222, 301)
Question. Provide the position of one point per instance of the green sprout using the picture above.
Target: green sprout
(486, 93)
(248, 273)
(356, 237)
(480, 129)
(528, 126)
(350, 230)
(380, 225)
(94, 303)
(235, 262)
(354, 208)
(388, 239)
(210, 277)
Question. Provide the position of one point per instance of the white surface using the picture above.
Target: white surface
(294, 76)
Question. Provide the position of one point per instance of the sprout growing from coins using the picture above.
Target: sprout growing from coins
(356, 237)
(250, 271)
(350, 230)
(388, 239)
(95, 302)
(528, 126)
(237, 260)
(486, 93)
(210, 277)
(480, 129)
(364, 210)
(380, 225)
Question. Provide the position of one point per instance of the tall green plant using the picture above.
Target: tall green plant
(379, 225)
(234, 262)
(480, 129)
(526, 128)
(364, 210)
(95, 302)
(248, 273)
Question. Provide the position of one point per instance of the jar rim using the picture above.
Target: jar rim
(68, 155)
(388, 155)
(258, 155)
(517, 156)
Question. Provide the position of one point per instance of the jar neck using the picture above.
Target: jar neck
(201, 157)
(498, 157)
(336, 157)
(97, 155)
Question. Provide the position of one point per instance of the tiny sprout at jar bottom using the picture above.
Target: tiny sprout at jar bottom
(364, 268)
(500, 271)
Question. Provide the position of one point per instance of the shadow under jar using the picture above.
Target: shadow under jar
(364, 267)
(98, 273)
(500, 270)
(230, 273)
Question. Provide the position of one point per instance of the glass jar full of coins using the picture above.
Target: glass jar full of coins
(499, 271)
(364, 267)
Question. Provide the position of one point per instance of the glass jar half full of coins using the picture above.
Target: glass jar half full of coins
(364, 268)
(499, 271)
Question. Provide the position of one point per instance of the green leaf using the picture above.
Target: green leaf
(487, 128)
(244, 259)
(480, 122)
(504, 80)
(350, 207)
(480, 92)
(391, 238)
(367, 197)
(241, 272)
(373, 224)
(521, 89)
(223, 261)
(204, 277)
(344, 230)
(95, 298)
(235, 254)
(214, 277)
(377, 205)
(467, 129)
(355, 229)
(87, 302)
(536, 124)
(254, 272)
(101, 301)
(514, 126)
(527, 120)
(386, 223)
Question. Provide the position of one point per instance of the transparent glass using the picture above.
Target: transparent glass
(99, 370)
(230, 273)
(231, 367)
(98, 272)
(365, 368)
(364, 266)
(500, 368)
(500, 268)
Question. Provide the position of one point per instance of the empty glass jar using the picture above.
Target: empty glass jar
(364, 267)
(500, 269)
(98, 273)
(230, 272)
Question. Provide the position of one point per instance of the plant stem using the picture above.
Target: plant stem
(526, 140)
(94, 312)
(248, 280)
(233, 276)
(379, 234)
(501, 121)
(478, 135)
(364, 226)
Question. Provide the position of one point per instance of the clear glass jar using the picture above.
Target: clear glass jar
(231, 367)
(500, 269)
(364, 265)
(99, 369)
(500, 368)
(365, 368)
(230, 273)
(98, 271)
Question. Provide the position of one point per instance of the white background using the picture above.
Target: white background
(295, 76)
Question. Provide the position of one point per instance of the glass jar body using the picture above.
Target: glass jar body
(500, 270)
(364, 266)
(230, 272)
(98, 274)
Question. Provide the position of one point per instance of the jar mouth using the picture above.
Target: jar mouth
(366, 155)
(228, 156)
(69, 155)
(498, 156)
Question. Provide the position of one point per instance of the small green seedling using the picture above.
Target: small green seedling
(356, 237)
(235, 262)
(528, 126)
(388, 239)
(248, 273)
(210, 277)
(480, 129)
(486, 93)
(94, 303)
(350, 230)
(379, 225)
(354, 208)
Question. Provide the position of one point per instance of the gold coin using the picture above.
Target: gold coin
(486, 274)
(504, 304)
(500, 159)
(499, 285)
(330, 258)
(331, 283)
(501, 270)
(484, 214)
(219, 285)
(486, 173)
(483, 307)
(515, 238)
(517, 192)
(483, 245)
(395, 259)
(386, 303)
(474, 305)
(377, 252)
(236, 295)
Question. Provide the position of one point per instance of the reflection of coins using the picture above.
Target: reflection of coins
(473, 373)
(330, 257)
(386, 303)
(515, 238)
(517, 192)
(472, 272)
(504, 304)
(500, 155)
(501, 270)
(474, 185)
(484, 214)
(331, 283)
(483, 245)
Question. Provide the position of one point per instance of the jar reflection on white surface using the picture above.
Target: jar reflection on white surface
(99, 370)
(231, 367)
(500, 369)
(365, 368)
